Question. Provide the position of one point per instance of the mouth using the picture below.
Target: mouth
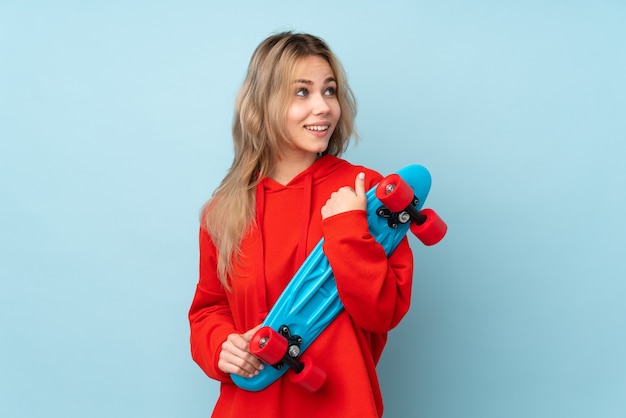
(317, 128)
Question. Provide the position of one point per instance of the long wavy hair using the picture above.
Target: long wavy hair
(258, 133)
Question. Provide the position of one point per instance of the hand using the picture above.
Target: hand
(236, 358)
(346, 199)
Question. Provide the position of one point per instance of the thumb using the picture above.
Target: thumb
(359, 184)
(248, 334)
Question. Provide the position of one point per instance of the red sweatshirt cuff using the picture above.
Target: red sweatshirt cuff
(346, 224)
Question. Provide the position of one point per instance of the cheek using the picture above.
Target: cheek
(296, 114)
(336, 111)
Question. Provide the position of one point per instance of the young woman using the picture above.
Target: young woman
(285, 190)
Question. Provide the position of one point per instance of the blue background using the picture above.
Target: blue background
(115, 128)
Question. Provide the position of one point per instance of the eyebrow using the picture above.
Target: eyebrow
(309, 82)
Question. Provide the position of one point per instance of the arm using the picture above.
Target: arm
(374, 289)
(215, 344)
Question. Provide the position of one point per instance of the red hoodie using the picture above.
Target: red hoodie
(375, 291)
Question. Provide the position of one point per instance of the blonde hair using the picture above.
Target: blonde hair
(258, 132)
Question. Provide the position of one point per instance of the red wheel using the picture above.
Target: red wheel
(395, 193)
(311, 377)
(268, 345)
(432, 231)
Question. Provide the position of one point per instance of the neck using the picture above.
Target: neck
(286, 170)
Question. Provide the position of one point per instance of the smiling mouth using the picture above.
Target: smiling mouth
(317, 128)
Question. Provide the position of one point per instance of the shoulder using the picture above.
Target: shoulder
(332, 164)
(339, 168)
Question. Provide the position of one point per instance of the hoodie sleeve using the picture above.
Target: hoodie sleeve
(210, 315)
(375, 290)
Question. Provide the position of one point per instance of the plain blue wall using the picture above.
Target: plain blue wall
(115, 128)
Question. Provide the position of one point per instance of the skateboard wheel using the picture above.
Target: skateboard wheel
(395, 193)
(432, 230)
(311, 377)
(268, 345)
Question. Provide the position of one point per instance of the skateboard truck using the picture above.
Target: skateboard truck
(293, 350)
(400, 207)
(394, 219)
(281, 348)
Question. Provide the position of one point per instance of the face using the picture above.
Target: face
(314, 109)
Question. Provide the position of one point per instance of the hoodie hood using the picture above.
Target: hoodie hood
(296, 205)
(319, 171)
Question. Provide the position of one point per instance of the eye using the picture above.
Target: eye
(302, 92)
(330, 91)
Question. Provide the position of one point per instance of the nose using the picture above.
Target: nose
(320, 105)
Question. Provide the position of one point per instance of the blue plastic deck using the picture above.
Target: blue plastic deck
(310, 301)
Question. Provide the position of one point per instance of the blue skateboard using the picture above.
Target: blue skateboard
(310, 301)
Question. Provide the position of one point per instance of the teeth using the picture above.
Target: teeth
(317, 128)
